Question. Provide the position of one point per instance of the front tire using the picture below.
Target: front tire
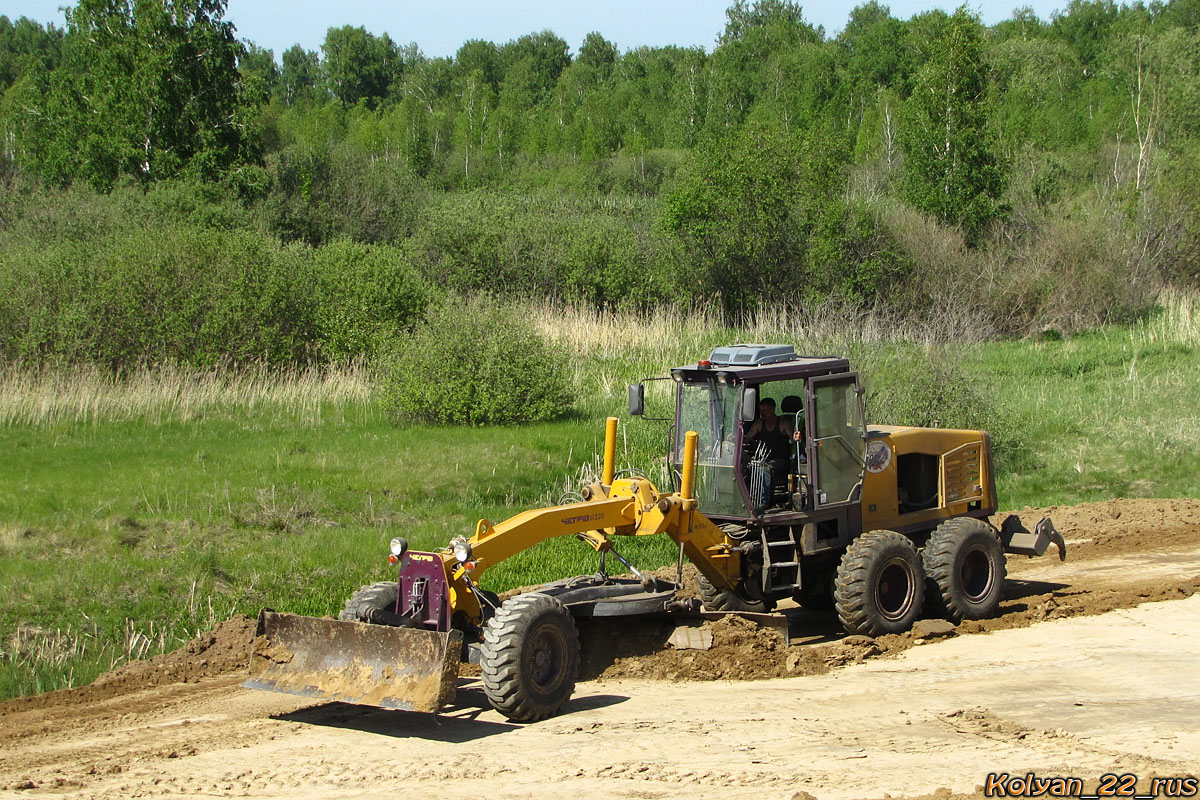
(715, 599)
(376, 596)
(965, 564)
(529, 658)
(880, 584)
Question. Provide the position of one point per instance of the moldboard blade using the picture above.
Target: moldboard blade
(355, 662)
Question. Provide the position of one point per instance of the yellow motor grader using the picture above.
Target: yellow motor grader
(877, 522)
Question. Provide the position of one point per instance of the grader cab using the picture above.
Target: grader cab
(796, 513)
(779, 489)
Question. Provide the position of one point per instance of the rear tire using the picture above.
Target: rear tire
(529, 658)
(965, 564)
(715, 599)
(377, 596)
(880, 584)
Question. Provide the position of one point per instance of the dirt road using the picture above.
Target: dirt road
(1075, 679)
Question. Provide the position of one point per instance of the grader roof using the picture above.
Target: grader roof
(753, 363)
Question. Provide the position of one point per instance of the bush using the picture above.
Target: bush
(366, 294)
(1078, 273)
(105, 284)
(475, 361)
(157, 296)
(536, 247)
(319, 194)
(929, 387)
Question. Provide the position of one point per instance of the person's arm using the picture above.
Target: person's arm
(754, 429)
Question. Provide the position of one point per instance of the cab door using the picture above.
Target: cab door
(837, 439)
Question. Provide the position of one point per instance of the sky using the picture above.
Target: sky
(439, 27)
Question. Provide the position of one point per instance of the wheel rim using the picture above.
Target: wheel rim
(976, 575)
(895, 589)
(544, 658)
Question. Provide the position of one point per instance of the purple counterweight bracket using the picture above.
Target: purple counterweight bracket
(424, 593)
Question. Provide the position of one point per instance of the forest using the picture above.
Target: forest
(172, 193)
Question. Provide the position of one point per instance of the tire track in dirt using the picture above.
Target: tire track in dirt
(981, 722)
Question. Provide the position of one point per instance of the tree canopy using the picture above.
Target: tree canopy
(780, 160)
(144, 89)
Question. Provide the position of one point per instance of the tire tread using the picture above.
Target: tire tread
(715, 599)
(379, 595)
(500, 657)
(852, 584)
(938, 559)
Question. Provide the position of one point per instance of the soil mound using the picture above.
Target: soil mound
(1113, 527)
(1077, 601)
(740, 650)
(224, 649)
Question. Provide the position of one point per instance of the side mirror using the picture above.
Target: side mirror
(637, 399)
(749, 404)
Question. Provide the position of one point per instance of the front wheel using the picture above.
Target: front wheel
(529, 658)
(715, 599)
(379, 596)
(880, 584)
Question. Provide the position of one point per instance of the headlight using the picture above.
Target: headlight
(461, 549)
(398, 546)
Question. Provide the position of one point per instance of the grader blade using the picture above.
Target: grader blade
(355, 662)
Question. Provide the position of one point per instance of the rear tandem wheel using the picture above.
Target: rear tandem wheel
(965, 564)
(715, 599)
(880, 584)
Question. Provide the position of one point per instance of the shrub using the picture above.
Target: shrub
(158, 295)
(475, 361)
(534, 247)
(1078, 273)
(475, 240)
(603, 263)
(185, 293)
(320, 194)
(929, 387)
(366, 294)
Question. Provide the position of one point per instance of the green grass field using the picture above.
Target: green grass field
(1107, 414)
(134, 514)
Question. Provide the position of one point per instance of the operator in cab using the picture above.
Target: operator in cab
(776, 435)
(773, 430)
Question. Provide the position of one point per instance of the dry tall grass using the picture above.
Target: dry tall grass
(609, 349)
(89, 395)
(45, 652)
(618, 334)
(1178, 320)
(612, 347)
